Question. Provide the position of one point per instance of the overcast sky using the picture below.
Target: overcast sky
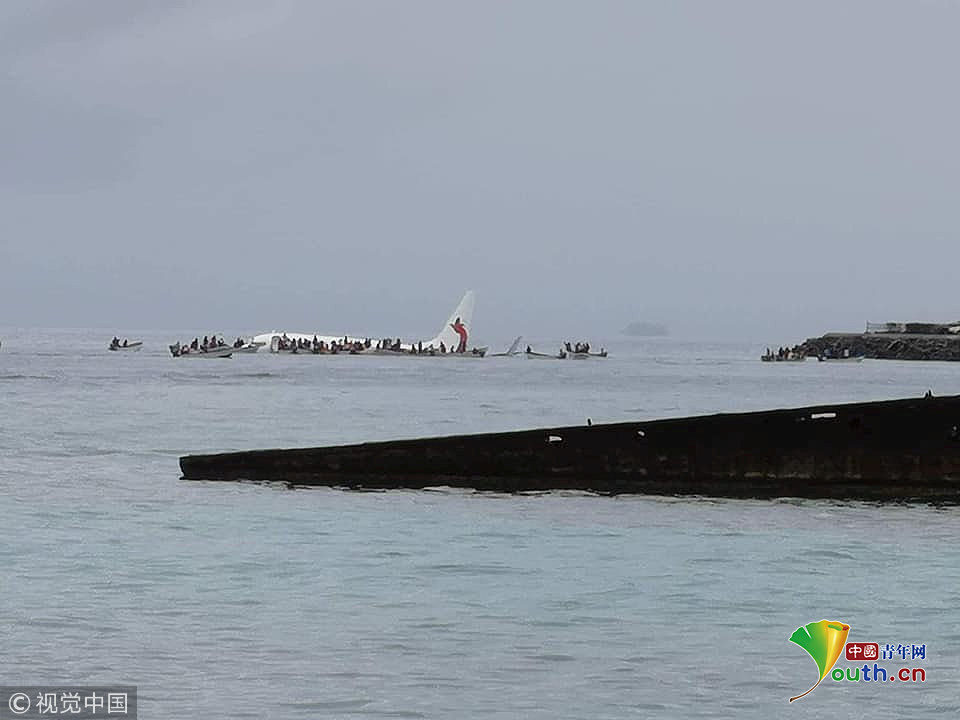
(768, 170)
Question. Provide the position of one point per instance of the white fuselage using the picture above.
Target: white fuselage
(266, 340)
(462, 317)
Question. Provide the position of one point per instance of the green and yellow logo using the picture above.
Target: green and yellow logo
(824, 642)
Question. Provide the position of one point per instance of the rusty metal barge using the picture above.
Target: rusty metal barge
(898, 450)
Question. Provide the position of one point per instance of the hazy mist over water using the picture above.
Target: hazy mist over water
(733, 169)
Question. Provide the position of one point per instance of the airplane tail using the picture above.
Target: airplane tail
(455, 333)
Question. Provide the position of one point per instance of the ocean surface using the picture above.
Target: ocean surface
(258, 601)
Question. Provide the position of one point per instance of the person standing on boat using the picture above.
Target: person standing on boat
(460, 329)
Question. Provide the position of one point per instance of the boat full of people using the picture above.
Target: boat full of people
(116, 345)
(209, 347)
(783, 354)
(299, 345)
(581, 351)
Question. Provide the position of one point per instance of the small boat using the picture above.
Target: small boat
(581, 351)
(585, 355)
(477, 352)
(434, 353)
(247, 347)
(849, 359)
(531, 355)
(786, 358)
(185, 351)
(125, 345)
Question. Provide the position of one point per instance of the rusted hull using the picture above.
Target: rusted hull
(893, 450)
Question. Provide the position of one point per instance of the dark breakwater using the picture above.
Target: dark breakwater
(886, 346)
(891, 450)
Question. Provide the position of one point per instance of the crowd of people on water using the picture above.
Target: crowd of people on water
(321, 347)
(836, 351)
(784, 353)
(355, 347)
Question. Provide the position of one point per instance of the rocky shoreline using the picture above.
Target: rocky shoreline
(886, 346)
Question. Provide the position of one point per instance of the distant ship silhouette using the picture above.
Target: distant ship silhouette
(645, 329)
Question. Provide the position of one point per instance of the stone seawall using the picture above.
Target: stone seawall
(887, 346)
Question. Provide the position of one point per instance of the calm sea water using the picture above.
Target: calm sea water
(249, 601)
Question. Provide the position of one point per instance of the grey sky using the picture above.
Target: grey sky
(766, 169)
